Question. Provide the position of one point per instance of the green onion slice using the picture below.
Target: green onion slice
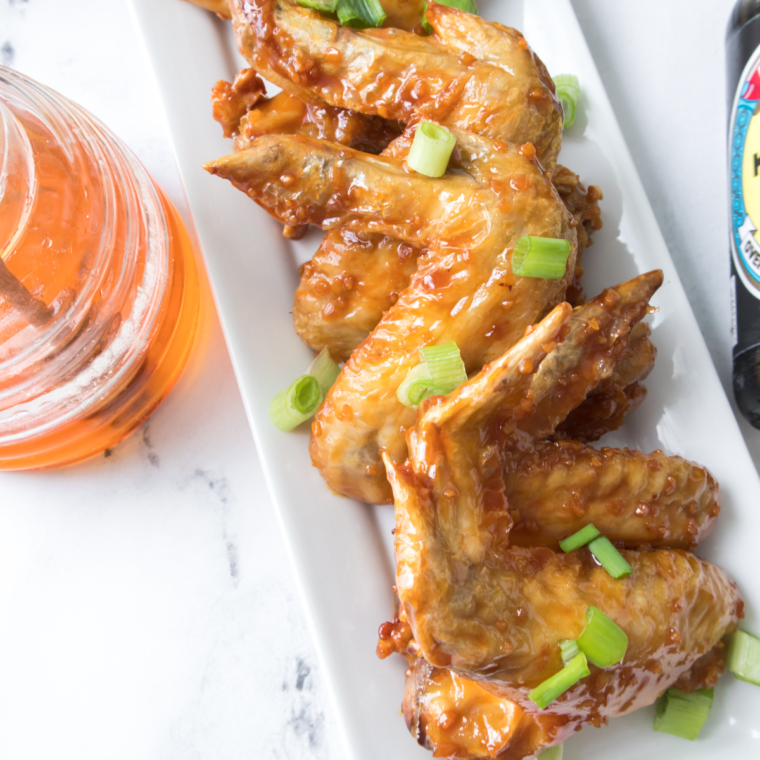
(360, 14)
(682, 714)
(446, 367)
(540, 257)
(440, 371)
(603, 641)
(553, 753)
(325, 370)
(569, 650)
(610, 558)
(568, 91)
(431, 149)
(326, 6)
(468, 6)
(581, 538)
(417, 386)
(744, 657)
(291, 407)
(544, 694)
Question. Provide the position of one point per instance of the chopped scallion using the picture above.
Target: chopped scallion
(446, 367)
(540, 257)
(295, 405)
(544, 694)
(553, 753)
(682, 714)
(360, 14)
(431, 149)
(440, 371)
(468, 6)
(325, 370)
(744, 657)
(568, 91)
(581, 538)
(326, 6)
(417, 386)
(610, 558)
(569, 650)
(603, 641)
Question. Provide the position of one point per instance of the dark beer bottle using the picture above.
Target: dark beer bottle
(743, 69)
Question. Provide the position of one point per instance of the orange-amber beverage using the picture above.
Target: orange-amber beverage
(99, 293)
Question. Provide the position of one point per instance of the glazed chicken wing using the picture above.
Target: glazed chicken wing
(495, 612)
(399, 75)
(355, 277)
(457, 718)
(607, 405)
(464, 289)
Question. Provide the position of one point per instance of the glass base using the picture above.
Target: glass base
(128, 408)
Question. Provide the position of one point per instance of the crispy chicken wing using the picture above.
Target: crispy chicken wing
(458, 718)
(496, 612)
(598, 336)
(401, 76)
(464, 289)
(354, 278)
(245, 113)
(607, 405)
(554, 489)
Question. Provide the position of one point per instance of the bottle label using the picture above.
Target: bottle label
(744, 152)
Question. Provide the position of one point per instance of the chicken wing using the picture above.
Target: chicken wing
(401, 76)
(463, 291)
(354, 278)
(495, 612)
(607, 405)
(457, 718)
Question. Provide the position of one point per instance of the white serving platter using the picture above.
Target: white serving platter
(341, 550)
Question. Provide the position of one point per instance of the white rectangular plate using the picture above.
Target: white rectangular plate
(340, 549)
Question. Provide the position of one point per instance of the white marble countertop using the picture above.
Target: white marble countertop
(148, 608)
